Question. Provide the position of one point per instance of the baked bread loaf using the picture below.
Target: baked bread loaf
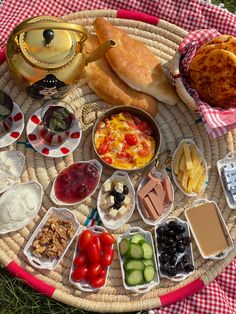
(135, 64)
(212, 72)
(109, 87)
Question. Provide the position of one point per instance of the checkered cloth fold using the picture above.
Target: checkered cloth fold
(217, 121)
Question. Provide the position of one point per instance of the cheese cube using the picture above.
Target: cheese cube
(113, 212)
(107, 186)
(103, 204)
(110, 201)
(127, 200)
(119, 187)
(122, 210)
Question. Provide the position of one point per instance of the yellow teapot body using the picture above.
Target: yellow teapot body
(46, 54)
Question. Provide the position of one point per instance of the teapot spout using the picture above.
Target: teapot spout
(100, 51)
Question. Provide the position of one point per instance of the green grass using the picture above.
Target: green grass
(17, 298)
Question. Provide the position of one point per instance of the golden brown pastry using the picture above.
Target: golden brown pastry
(135, 64)
(108, 86)
(212, 72)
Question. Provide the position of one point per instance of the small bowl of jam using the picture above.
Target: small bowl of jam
(76, 182)
(57, 121)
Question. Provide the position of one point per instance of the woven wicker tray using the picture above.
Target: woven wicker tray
(175, 123)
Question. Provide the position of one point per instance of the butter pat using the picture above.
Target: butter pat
(107, 186)
(119, 187)
(113, 212)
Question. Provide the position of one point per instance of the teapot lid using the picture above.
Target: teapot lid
(48, 48)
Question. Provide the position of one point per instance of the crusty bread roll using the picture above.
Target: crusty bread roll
(108, 86)
(135, 64)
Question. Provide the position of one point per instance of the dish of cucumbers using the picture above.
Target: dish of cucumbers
(138, 258)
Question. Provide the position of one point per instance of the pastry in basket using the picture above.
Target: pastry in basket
(107, 84)
(135, 64)
(212, 72)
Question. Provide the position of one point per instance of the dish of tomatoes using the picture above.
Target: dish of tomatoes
(125, 141)
(94, 256)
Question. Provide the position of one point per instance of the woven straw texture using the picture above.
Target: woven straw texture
(175, 123)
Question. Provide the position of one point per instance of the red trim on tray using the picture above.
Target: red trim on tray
(35, 283)
(143, 17)
(2, 55)
(182, 293)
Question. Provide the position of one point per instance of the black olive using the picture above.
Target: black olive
(113, 192)
(179, 236)
(186, 241)
(185, 259)
(180, 229)
(180, 248)
(164, 258)
(165, 268)
(169, 241)
(162, 246)
(117, 205)
(161, 230)
(172, 224)
(180, 267)
(173, 260)
(172, 272)
(125, 189)
(188, 268)
(119, 197)
(171, 233)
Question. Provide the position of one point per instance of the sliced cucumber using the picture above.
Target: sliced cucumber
(147, 250)
(134, 264)
(148, 262)
(124, 246)
(134, 277)
(137, 237)
(149, 273)
(136, 251)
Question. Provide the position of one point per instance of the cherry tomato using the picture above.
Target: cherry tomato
(107, 160)
(86, 239)
(136, 120)
(103, 148)
(98, 282)
(106, 238)
(103, 272)
(131, 139)
(93, 253)
(144, 152)
(124, 155)
(94, 270)
(79, 273)
(107, 257)
(80, 260)
(143, 125)
(98, 243)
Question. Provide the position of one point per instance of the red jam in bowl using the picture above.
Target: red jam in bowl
(76, 182)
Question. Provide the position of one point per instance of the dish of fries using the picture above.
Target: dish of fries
(189, 168)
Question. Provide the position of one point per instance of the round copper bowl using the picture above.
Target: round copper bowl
(139, 113)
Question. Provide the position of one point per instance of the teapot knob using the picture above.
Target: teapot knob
(48, 35)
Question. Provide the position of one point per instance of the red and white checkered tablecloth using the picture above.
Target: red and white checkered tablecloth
(220, 296)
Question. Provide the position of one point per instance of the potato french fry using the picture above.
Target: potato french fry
(182, 163)
(189, 164)
(200, 183)
(195, 170)
(180, 176)
(185, 179)
(177, 159)
(194, 155)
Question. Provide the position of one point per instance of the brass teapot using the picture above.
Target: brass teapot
(46, 54)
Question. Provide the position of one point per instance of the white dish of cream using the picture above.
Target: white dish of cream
(19, 206)
(11, 167)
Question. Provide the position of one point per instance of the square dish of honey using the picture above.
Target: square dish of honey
(209, 230)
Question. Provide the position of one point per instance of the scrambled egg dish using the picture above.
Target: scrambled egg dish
(125, 141)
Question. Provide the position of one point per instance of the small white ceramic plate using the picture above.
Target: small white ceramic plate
(62, 150)
(188, 251)
(43, 263)
(223, 224)
(8, 197)
(16, 130)
(83, 285)
(92, 162)
(158, 174)
(148, 237)
(229, 158)
(117, 222)
(204, 164)
(19, 161)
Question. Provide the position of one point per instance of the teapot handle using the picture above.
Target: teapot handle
(26, 27)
